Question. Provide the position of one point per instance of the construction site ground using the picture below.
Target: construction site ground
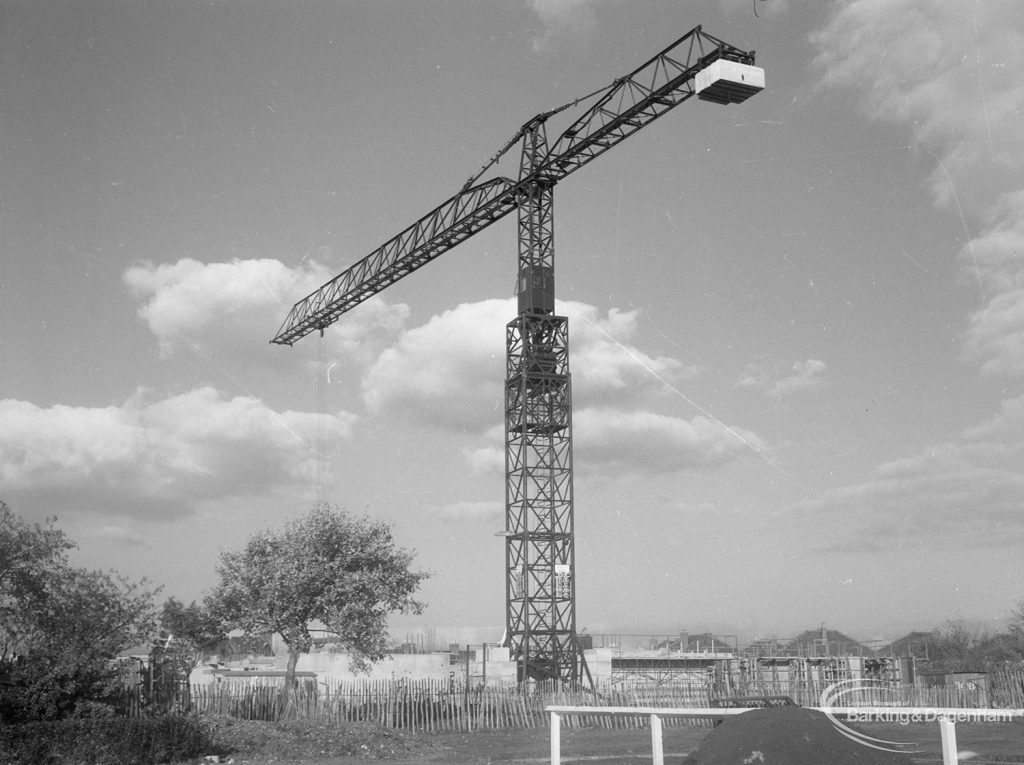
(980, 743)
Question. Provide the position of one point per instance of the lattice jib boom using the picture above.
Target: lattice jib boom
(621, 109)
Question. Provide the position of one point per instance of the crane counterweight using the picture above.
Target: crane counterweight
(728, 82)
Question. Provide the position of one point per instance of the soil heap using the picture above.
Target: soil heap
(786, 736)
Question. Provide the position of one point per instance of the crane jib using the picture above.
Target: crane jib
(696, 64)
(448, 225)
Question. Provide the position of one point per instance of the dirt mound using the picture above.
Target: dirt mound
(785, 736)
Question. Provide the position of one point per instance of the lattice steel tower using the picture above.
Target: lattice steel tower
(540, 602)
(540, 561)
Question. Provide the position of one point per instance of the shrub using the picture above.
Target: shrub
(105, 741)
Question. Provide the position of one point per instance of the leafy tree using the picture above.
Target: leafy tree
(1016, 626)
(963, 647)
(998, 650)
(30, 556)
(87, 619)
(62, 627)
(345, 573)
(187, 632)
(956, 649)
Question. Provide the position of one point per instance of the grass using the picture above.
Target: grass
(309, 743)
(254, 741)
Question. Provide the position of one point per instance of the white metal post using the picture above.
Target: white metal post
(947, 733)
(657, 749)
(556, 739)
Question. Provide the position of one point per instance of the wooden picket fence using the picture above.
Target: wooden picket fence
(423, 705)
(444, 705)
(428, 705)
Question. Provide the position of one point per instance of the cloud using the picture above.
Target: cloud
(189, 302)
(450, 371)
(628, 444)
(949, 71)
(968, 489)
(235, 308)
(489, 458)
(641, 442)
(156, 457)
(765, 377)
(946, 69)
(995, 333)
(605, 364)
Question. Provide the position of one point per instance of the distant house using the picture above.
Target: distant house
(704, 642)
(915, 645)
(765, 647)
(825, 642)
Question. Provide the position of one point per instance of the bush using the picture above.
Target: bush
(105, 741)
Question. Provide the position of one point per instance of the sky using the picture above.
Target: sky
(796, 324)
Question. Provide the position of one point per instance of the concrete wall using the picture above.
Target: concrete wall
(408, 666)
(493, 669)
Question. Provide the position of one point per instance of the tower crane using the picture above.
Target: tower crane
(540, 585)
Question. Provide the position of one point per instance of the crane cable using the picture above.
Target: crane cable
(321, 443)
(543, 116)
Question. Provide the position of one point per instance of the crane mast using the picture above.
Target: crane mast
(540, 563)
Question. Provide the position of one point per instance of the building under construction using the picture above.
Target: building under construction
(814, 659)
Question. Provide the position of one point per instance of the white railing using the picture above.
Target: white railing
(945, 716)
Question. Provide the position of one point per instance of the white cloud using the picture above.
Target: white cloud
(996, 257)
(148, 457)
(489, 458)
(949, 71)
(766, 377)
(945, 68)
(235, 308)
(996, 334)
(968, 489)
(192, 302)
(605, 364)
(450, 371)
(630, 442)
